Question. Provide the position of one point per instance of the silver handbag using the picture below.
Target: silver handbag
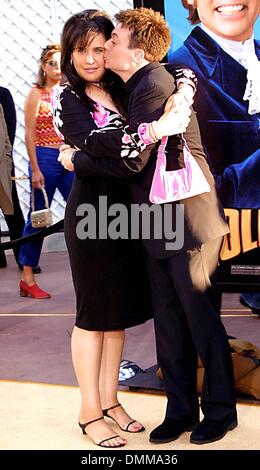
(41, 218)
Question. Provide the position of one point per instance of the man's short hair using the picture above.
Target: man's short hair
(193, 13)
(149, 31)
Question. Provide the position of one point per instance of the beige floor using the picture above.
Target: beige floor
(40, 416)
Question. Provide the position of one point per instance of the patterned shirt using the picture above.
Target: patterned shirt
(45, 133)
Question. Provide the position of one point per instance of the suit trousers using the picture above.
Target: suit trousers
(187, 323)
(55, 177)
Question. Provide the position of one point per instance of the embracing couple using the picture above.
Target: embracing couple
(116, 104)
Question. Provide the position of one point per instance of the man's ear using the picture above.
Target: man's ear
(139, 55)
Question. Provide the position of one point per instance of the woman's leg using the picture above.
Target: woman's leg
(113, 345)
(86, 355)
(30, 252)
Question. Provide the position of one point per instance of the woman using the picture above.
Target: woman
(42, 144)
(109, 275)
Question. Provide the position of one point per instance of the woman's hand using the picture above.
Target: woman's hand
(37, 179)
(182, 98)
(173, 122)
(65, 157)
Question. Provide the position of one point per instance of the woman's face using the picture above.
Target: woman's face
(89, 61)
(52, 67)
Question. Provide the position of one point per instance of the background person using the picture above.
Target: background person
(42, 144)
(15, 222)
(6, 203)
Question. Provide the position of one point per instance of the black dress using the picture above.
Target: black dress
(109, 275)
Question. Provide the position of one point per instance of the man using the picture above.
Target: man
(6, 203)
(186, 322)
(225, 57)
(15, 221)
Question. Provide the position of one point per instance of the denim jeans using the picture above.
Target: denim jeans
(55, 177)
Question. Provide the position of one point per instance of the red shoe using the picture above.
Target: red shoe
(35, 292)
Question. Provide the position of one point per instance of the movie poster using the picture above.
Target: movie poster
(229, 127)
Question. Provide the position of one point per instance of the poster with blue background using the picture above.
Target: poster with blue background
(176, 16)
(230, 132)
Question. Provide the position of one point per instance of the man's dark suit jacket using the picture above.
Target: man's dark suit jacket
(15, 221)
(7, 103)
(231, 136)
(149, 88)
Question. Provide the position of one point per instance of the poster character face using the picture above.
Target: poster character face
(230, 19)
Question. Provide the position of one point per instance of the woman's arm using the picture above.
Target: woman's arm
(113, 140)
(74, 121)
(31, 110)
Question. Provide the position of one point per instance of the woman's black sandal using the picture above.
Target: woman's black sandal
(126, 429)
(83, 428)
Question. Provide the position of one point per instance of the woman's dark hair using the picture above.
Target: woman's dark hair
(46, 54)
(78, 30)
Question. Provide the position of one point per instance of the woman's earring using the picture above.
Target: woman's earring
(71, 62)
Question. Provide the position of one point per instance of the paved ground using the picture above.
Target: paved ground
(35, 334)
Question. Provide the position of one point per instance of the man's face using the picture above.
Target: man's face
(118, 57)
(230, 19)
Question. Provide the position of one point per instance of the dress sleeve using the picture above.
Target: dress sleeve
(75, 123)
(99, 133)
(146, 105)
(182, 74)
(143, 107)
(71, 118)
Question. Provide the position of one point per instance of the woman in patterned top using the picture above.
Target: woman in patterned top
(109, 273)
(42, 144)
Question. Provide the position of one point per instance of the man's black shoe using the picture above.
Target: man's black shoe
(170, 429)
(244, 302)
(210, 430)
(3, 262)
(36, 270)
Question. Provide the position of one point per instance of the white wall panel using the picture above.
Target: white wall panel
(26, 26)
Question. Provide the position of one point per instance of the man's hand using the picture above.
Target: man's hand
(65, 157)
